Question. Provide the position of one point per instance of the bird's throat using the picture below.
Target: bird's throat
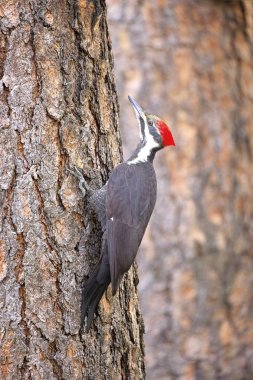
(145, 152)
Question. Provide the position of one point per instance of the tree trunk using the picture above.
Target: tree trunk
(190, 62)
(58, 109)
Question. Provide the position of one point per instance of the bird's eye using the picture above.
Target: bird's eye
(150, 123)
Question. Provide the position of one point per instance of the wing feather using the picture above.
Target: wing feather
(131, 197)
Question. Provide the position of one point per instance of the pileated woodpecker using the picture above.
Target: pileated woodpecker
(124, 206)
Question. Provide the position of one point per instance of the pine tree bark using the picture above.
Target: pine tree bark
(190, 62)
(59, 108)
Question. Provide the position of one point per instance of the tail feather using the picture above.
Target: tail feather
(94, 290)
(94, 303)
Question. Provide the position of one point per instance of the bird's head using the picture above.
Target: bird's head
(152, 127)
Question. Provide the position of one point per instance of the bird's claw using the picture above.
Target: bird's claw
(83, 186)
(77, 173)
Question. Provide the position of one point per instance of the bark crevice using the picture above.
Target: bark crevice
(58, 112)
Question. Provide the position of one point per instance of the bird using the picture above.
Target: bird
(123, 206)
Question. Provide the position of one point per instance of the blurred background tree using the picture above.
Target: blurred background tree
(190, 62)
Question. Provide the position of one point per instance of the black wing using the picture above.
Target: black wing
(130, 199)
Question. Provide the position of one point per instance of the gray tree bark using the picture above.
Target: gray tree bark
(58, 108)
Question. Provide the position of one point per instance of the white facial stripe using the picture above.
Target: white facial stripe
(150, 142)
(147, 134)
(142, 136)
(145, 151)
(140, 130)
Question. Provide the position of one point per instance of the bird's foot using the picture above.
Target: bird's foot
(83, 185)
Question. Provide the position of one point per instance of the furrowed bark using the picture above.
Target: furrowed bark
(59, 108)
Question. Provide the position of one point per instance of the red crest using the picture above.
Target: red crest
(165, 133)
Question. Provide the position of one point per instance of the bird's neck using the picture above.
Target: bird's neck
(145, 152)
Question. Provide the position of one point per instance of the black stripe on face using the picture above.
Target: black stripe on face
(142, 123)
(156, 135)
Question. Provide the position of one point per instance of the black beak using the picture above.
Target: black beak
(139, 111)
